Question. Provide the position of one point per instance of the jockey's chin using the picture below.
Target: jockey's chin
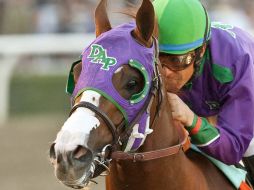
(173, 85)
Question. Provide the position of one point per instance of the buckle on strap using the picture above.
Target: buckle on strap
(138, 157)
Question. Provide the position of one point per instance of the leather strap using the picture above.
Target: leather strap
(156, 154)
(101, 114)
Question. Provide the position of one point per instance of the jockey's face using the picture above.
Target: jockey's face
(177, 69)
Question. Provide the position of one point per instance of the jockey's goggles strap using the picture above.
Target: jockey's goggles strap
(206, 27)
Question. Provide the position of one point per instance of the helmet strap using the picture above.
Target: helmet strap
(197, 62)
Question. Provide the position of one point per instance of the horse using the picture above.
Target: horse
(121, 121)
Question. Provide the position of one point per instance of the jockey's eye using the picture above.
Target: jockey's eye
(131, 85)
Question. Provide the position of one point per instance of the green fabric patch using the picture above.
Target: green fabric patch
(188, 85)
(194, 122)
(70, 85)
(222, 74)
(206, 133)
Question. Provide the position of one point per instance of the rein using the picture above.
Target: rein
(101, 114)
(156, 154)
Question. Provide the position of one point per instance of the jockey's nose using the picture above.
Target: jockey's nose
(167, 72)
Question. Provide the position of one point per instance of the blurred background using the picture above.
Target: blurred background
(39, 39)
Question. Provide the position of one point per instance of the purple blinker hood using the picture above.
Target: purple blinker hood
(102, 58)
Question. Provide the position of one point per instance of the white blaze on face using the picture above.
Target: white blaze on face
(76, 129)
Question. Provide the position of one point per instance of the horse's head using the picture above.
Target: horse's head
(112, 85)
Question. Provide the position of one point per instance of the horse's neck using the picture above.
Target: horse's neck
(158, 173)
(172, 172)
(164, 133)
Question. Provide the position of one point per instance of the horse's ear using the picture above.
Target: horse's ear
(102, 23)
(76, 71)
(145, 23)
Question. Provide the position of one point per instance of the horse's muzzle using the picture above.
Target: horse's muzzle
(72, 168)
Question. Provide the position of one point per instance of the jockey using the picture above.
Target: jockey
(209, 73)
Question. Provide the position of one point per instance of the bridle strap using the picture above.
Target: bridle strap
(128, 130)
(156, 154)
(156, 87)
(98, 112)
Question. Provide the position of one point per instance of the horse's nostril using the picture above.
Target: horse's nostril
(80, 153)
(52, 153)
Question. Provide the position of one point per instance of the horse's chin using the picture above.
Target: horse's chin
(76, 181)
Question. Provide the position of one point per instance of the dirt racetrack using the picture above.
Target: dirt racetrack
(24, 143)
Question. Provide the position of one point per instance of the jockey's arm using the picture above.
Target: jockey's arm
(228, 138)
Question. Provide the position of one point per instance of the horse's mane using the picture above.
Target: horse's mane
(131, 11)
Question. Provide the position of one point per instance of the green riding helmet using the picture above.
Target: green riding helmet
(183, 25)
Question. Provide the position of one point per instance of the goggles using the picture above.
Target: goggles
(177, 62)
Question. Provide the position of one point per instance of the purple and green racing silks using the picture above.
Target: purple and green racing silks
(224, 87)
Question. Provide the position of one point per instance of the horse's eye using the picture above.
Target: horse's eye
(131, 84)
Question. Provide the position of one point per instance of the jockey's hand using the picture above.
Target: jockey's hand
(180, 111)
